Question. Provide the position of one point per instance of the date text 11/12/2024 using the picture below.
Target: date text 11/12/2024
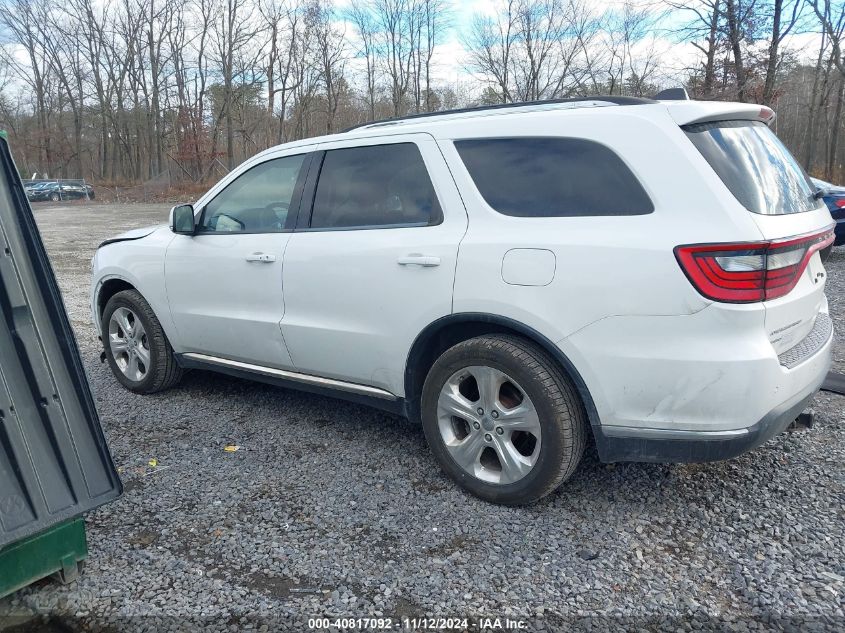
(417, 624)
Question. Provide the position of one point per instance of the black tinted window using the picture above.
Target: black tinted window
(258, 201)
(380, 185)
(552, 177)
(755, 166)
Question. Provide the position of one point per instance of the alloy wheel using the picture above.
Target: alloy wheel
(128, 344)
(489, 425)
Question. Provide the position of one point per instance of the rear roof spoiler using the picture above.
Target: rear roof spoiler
(688, 112)
(685, 111)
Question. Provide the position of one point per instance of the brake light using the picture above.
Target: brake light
(840, 204)
(747, 272)
(767, 114)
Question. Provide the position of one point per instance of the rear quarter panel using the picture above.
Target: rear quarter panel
(604, 266)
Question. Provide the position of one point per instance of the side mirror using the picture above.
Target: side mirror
(182, 219)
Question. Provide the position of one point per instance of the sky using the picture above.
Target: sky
(451, 56)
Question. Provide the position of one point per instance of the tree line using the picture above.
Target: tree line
(134, 90)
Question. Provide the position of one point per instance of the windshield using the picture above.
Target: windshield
(755, 166)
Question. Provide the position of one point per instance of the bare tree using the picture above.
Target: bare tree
(331, 56)
(233, 31)
(361, 17)
(831, 15)
(702, 31)
(395, 23)
(22, 18)
(785, 16)
(491, 42)
(434, 17)
(65, 57)
(531, 50)
(629, 72)
(737, 13)
(291, 69)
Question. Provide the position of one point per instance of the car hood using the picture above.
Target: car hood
(134, 234)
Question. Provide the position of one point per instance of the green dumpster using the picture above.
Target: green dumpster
(54, 462)
(58, 551)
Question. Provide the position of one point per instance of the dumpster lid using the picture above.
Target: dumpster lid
(54, 463)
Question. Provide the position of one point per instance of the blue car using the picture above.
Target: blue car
(834, 198)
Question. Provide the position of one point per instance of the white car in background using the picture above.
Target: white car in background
(645, 273)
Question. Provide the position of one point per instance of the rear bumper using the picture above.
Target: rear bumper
(677, 389)
(667, 446)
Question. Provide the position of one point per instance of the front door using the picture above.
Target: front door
(224, 284)
(374, 263)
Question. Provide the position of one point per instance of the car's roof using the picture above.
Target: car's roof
(449, 124)
(505, 108)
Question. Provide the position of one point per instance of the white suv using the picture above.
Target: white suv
(519, 278)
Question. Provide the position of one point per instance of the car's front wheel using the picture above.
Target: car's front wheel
(55, 197)
(502, 419)
(137, 350)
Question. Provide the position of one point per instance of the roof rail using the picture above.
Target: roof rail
(506, 106)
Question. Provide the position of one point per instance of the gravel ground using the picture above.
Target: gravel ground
(330, 509)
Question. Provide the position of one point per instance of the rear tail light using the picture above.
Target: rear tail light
(840, 204)
(750, 271)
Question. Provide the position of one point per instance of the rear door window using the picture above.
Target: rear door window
(756, 167)
(545, 177)
(374, 186)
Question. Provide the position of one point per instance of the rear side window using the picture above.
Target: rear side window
(552, 177)
(756, 167)
(378, 185)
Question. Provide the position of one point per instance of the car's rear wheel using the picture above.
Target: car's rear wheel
(502, 419)
(55, 197)
(137, 350)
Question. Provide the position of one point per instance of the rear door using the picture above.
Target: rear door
(767, 180)
(373, 260)
(54, 463)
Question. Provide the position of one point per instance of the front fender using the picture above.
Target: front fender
(141, 264)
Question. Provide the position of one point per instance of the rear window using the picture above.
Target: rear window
(532, 177)
(756, 167)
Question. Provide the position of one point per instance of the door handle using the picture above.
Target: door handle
(264, 258)
(415, 259)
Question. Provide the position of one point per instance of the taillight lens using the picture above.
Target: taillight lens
(750, 271)
(840, 204)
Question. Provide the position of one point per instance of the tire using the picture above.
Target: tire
(55, 197)
(155, 366)
(549, 442)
